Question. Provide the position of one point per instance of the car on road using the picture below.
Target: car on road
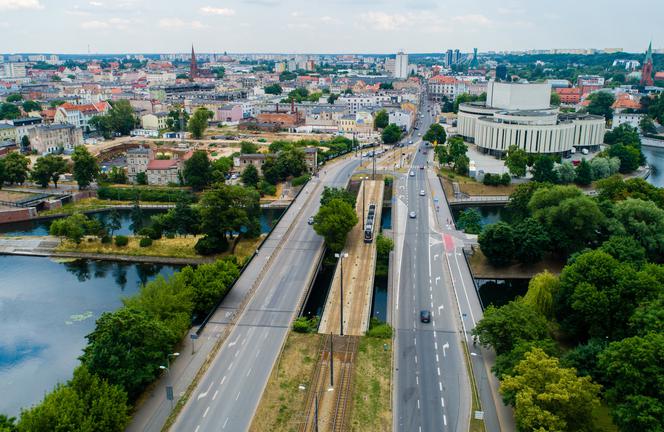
(410, 141)
(425, 316)
(421, 166)
(422, 192)
(412, 215)
(311, 220)
(412, 173)
(419, 134)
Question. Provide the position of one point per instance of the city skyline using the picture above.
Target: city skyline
(341, 26)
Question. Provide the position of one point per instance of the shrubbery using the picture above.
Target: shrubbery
(145, 194)
(299, 181)
(497, 179)
(121, 241)
(145, 242)
(306, 325)
(379, 329)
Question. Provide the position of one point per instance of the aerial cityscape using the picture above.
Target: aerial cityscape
(257, 216)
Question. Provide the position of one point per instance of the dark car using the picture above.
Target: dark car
(425, 316)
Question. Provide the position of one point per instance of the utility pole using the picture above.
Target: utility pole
(364, 220)
(331, 362)
(373, 176)
(341, 257)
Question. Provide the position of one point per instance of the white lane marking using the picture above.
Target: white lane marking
(433, 323)
(437, 279)
(214, 396)
(431, 296)
(225, 421)
(417, 380)
(205, 393)
(440, 387)
(444, 420)
(206, 411)
(236, 353)
(230, 366)
(435, 257)
(197, 428)
(418, 404)
(415, 359)
(437, 358)
(222, 380)
(415, 341)
(230, 344)
(441, 307)
(431, 305)
(446, 346)
(434, 335)
(249, 372)
(265, 335)
(463, 285)
(258, 352)
(435, 344)
(238, 396)
(438, 371)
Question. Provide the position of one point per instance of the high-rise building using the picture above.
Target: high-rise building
(457, 56)
(401, 65)
(646, 72)
(14, 70)
(193, 67)
(449, 58)
(474, 62)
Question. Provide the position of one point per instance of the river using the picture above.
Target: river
(655, 157)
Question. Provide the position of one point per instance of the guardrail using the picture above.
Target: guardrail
(479, 199)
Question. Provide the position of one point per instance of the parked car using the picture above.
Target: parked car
(412, 215)
(311, 220)
(412, 173)
(422, 192)
(425, 316)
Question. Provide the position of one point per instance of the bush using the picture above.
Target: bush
(505, 179)
(209, 245)
(299, 181)
(106, 239)
(145, 194)
(379, 329)
(170, 236)
(306, 325)
(145, 242)
(496, 179)
(121, 240)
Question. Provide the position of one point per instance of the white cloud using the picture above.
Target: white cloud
(300, 26)
(327, 18)
(384, 21)
(209, 10)
(112, 23)
(472, 19)
(96, 3)
(296, 14)
(95, 25)
(20, 4)
(177, 23)
(4, 24)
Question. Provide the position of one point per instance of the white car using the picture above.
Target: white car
(412, 215)
(422, 192)
(311, 220)
(412, 173)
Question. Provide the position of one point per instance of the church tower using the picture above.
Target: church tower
(193, 67)
(646, 72)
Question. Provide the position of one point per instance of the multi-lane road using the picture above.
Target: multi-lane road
(230, 390)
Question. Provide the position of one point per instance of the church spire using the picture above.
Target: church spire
(193, 67)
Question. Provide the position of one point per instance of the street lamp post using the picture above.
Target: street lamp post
(341, 257)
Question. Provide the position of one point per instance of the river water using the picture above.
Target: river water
(46, 309)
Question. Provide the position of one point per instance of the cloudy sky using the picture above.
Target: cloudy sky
(325, 26)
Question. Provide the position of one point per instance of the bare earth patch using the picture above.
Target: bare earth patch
(482, 269)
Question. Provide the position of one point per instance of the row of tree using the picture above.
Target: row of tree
(336, 217)
(111, 376)
(14, 168)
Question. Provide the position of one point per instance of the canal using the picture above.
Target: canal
(46, 310)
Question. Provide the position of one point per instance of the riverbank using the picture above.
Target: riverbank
(482, 269)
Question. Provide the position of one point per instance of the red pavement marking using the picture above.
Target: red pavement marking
(449, 243)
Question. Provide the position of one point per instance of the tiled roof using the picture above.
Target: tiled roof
(159, 164)
(443, 79)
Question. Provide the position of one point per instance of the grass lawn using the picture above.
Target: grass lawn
(283, 404)
(482, 269)
(372, 402)
(470, 186)
(179, 247)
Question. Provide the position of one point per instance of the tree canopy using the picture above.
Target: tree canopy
(334, 221)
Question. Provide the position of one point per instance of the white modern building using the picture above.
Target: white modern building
(521, 115)
(632, 119)
(401, 65)
(14, 70)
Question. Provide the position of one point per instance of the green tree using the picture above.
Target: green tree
(185, 219)
(644, 221)
(25, 143)
(9, 111)
(516, 161)
(141, 178)
(584, 173)
(456, 148)
(15, 168)
(117, 175)
(497, 243)
(114, 222)
(290, 163)
(381, 120)
(331, 99)
(507, 361)
(623, 134)
(198, 122)
(247, 147)
(517, 205)
(625, 249)
(86, 403)
(250, 176)
(197, 172)
(470, 221)
(220, 168)
(542, 289)
(227, 209)
(120, 119)
(600, 104)
(543, 170)
(14, 97)
(647, 125)
(555, 99)
(330, 193)
(109, 356)
(531, 241)
(137, 218)
(461, 164)
(630, 157)
(173, 119)
(210, 282)
(334, 221)
(436, 134)
(565, 172)
(85, 168)
(634, 369)
(391, 134)
(29, 106)
(48, 168)
(548, 397)
(503, 327)
(274, 89)
(76, 226)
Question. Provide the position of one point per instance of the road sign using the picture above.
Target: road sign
(479, 415)
(169, 393)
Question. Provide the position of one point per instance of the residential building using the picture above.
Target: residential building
(401, 65)
(54, 138)
(164, 172)
(631, 119)
(80, 115)
(590, 83)
(7, 132)
(569, 96)
(156, 121)
(257, 160)
(403, 119)
(137, 161)
(14, 70)
(230, 113)
(355, 103)
(521, 115)
(442, 86)
(311, 159)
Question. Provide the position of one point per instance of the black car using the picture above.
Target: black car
(425, 316)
